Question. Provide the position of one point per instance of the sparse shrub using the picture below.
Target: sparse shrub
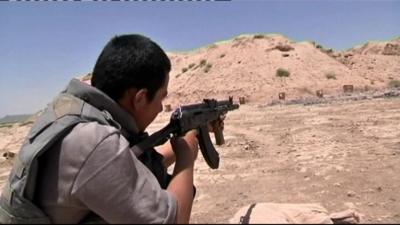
(258, 36)
(330, 76)
(284, 48)
(191, 65)
(203, 62)
(282, 73)
(394, 84)
(26, 123)
(391, 49)
(329, 51)
(207, 68)
(212, 46)
(184, 70)
(5, 125)
(222, 56)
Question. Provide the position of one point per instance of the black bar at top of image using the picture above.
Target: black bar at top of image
(121, 0)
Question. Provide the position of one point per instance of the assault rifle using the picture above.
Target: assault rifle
(196, 116)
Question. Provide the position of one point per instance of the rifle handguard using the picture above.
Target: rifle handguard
(219, 136)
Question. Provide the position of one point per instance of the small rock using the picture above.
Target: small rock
(8, 154)
(351, 205)
(351, 194)
(303, 170)
(339, 168)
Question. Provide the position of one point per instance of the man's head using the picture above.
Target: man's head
(133, 71)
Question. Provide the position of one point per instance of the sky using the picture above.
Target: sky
(43, 45)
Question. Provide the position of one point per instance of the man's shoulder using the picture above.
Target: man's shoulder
(94, 129)
(90, 134)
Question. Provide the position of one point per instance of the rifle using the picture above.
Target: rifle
(195, 116)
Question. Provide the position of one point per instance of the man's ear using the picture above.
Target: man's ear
(140, 97)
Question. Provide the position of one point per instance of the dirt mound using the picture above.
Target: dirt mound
(378, 48)
(248, 66)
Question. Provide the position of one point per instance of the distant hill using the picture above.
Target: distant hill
(14, 118)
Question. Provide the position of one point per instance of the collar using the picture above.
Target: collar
(101, 101)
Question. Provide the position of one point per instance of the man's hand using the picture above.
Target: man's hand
(192, 141)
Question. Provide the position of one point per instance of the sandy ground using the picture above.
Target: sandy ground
(341, 155)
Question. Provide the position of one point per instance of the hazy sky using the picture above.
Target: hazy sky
(45, 44)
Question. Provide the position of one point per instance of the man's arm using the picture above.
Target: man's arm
(181, 185)
(133, 192)
(183, 151)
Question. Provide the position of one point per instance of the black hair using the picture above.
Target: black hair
(128, 61)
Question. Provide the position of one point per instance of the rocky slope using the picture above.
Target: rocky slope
(247, 66)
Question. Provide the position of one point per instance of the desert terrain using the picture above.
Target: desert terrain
(342, 155)
(341, 150)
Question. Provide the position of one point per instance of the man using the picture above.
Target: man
(80, 160)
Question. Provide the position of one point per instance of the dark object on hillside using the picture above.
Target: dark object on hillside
(282, 96)
(320, 93)
(347, 88)
(242, 100)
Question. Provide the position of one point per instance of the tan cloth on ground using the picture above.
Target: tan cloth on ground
(281, 213)
(348, 216)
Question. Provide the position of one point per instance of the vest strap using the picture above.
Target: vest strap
(7, 194)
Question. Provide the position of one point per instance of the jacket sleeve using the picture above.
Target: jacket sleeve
(115, 185)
